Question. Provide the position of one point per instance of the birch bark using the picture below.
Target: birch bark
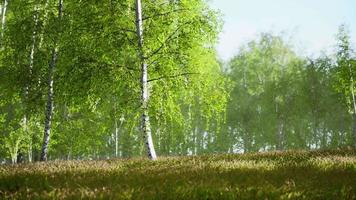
(50, 99)
(146, 127)
(45, 20)
(280, 136)
(3, 20)
(116, 139)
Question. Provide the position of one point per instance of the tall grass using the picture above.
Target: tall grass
(276, 175)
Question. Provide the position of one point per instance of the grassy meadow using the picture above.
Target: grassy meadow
(276, 175)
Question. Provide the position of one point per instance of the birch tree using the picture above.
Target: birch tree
(145, 98)
(30, 73)
(345, 73)
(50, 97)
(178, 35)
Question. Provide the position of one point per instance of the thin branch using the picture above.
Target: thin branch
(126, 30)
(164, 14)
(130, 41)
(172, 76)
(166, 40)
(152, 63)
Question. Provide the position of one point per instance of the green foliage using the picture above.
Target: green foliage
(287, 175)
(345, 67)
(283, 101)
(97, 80)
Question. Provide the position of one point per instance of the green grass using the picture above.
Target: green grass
(285, 175)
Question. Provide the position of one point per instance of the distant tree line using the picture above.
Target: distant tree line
(282, 101)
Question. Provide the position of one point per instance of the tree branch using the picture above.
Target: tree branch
(172, 76)
(166, 40)
(164, 14)
(126, 30)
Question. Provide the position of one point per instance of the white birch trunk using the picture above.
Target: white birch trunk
(3, 20)
(27, 87)
(279, 130)
(146, 128)
(14, 151)
(49, 107)
(34, 38)
(280, 136)
(50, 100)
(354, 105)
(25, 127)
(44, 23)
(45, 20)
(116, 139)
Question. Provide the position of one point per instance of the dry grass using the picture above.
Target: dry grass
(276, 175)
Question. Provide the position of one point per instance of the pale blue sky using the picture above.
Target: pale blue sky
(310, 25)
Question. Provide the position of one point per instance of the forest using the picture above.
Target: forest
(125, 79)
(72, 85)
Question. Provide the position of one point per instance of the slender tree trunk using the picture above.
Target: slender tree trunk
(68, 155)
(50, 100)
(193, 136)
(0, 9)
(32, 51)
(146, 127)
(316, 130)
(117, 129)
(354, 106)
(354, 130)
(279, 129)
(29, 150)
(41, 32)
(323, 135)
(245, 143)
(3, 20)
(49, 107)
(14, 152)
(45, 17)
(280, 135)
(27, 87)
(116, 139)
